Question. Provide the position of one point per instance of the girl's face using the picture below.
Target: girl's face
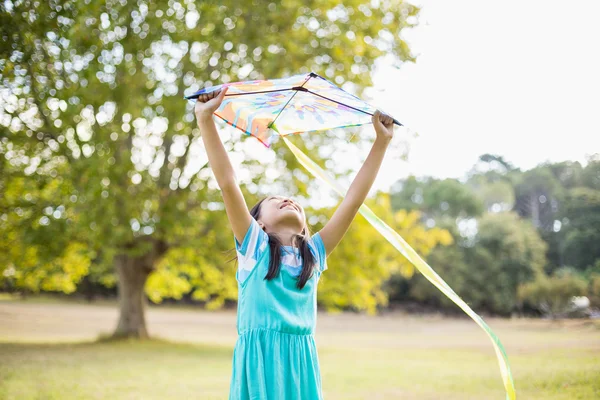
(278, 212)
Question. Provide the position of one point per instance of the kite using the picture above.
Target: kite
(267, 109)
(302, 103)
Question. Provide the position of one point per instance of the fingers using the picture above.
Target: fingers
(386, 120)
(376, 116)
(222, 93)
(383, 118)
(204, 97)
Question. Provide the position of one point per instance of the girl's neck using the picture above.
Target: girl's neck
(286, 235)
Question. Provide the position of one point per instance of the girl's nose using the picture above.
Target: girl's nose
(289, 201)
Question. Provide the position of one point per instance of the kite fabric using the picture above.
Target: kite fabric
(266, 109)
(301, 103)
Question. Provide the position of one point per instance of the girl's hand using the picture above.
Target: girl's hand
(208, 103)
(384, 126)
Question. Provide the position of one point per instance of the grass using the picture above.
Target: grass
(49, 350)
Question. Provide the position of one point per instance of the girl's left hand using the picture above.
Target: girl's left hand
(384, 126)
(208, 103)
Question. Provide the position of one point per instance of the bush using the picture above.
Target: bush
(594, 290)
(592, 275)
(552, 295)
(505, 253)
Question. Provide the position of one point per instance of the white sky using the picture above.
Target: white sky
(520, 79)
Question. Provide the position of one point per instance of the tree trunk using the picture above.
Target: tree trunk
(535, 209)
(132, 273)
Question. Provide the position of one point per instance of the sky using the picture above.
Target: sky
(520, 79)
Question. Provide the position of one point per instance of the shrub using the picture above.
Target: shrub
(552, 295)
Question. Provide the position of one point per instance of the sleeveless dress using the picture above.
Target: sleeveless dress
(275, 356)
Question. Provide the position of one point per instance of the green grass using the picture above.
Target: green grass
(387, 357)
(119, 370)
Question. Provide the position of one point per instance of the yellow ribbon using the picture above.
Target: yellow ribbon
(404, 248)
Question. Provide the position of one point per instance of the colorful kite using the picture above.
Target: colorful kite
(298, 104)
(304, 103)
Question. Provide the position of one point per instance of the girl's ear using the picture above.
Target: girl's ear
(262, 225)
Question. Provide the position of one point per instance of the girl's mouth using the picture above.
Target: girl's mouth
(289, 205)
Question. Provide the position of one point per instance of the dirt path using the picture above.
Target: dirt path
(67, 322)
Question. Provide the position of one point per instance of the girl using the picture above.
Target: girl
(280, 264)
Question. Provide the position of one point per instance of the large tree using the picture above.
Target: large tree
(436, 199)
(561, 199)
(581, 234)
(100, 154)
(486, 272)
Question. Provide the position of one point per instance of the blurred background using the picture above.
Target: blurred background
(114, 273)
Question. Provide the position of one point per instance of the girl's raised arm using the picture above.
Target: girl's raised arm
(336, 227)
(235, 205)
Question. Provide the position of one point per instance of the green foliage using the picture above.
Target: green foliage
(364, 259)
(33, 256)
(449, 262)
(507, 251)
(489, 178)
(95, 126)
(568, 173)
(582, 231)
(560, 200)
(497, 194)
(590, 176)
(537, 194)
(552, 295)
(99, 152)
(435, 198)
(594, 290)
(515, 243)
(494, 163)
(592, 274)
(486, 268)
(25, 268)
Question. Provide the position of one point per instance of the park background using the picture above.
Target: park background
(113, 254)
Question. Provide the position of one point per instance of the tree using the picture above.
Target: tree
(92, 99)
(572, 240)
(490, 180)
(594, 284)
(538, 195)
(492, 256)
(32, 257)
(493, 167)
(581, 234)
(506, 252)
(590, 176)
(549, 195)
(436, 198)
(567, 173)
(364, 260)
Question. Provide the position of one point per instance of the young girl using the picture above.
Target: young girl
(280, 264)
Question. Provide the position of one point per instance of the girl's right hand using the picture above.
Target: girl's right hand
(208, 103)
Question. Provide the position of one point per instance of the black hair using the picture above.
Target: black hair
(300, 241)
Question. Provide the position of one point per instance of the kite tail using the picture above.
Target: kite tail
(407, 251)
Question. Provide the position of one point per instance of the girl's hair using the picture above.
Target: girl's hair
(300, 241)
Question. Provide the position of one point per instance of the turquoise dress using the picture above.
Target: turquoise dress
(275, 356)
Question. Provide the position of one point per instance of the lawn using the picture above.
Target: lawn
(49, 350)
